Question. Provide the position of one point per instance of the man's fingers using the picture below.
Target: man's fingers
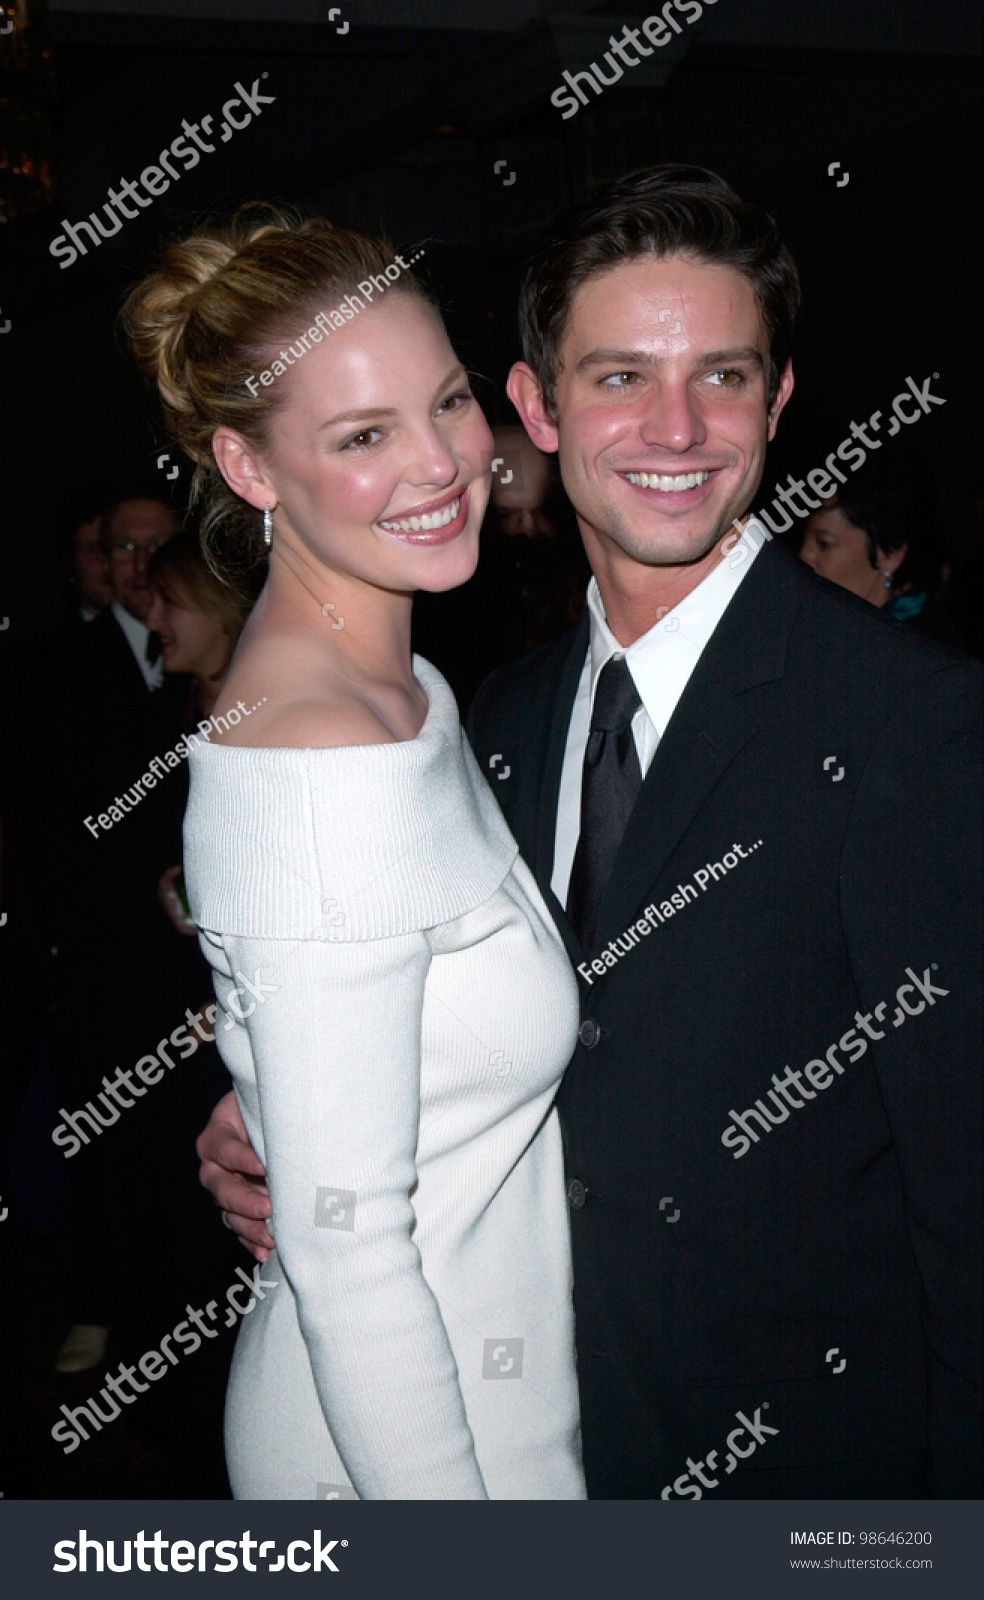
(219, 1146)
(227, 1111)
(236, 1156)
(251, 1235)
(241, 1197)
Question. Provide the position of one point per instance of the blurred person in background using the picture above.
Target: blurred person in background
(532, 574)
(879, 537)
(81, 550)
(198, 618)
(113, 714)
(965, 590)
(532, 536)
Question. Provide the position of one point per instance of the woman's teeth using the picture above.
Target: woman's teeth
(657, 480)
(436, 519)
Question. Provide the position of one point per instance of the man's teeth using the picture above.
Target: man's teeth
(436, 519)
(657, 480)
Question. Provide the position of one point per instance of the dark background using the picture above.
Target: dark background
(397, 125)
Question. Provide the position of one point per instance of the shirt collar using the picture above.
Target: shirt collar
(662, 660)
(137, 633)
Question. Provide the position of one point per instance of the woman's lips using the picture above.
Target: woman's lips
(403, 527)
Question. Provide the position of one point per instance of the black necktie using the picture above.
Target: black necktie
(153, 648)
(611, 781)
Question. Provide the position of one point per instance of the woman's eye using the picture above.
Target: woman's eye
(455, 401)
(363, 439)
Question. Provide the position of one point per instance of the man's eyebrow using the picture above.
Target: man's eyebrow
(605, 357)
(369, 413)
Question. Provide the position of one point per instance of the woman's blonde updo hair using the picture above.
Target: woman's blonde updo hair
(215, 311)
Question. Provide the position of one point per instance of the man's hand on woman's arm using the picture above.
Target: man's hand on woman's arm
(233, 1174)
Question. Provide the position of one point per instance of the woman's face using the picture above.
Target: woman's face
(191, 641)
(380, 456)
(838, 550)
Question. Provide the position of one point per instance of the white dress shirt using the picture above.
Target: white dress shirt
(137, 634)
(660, 663)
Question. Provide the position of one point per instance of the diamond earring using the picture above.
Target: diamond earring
(887, 578)
(267, 525)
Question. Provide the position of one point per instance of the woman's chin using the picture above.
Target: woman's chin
(450, 566)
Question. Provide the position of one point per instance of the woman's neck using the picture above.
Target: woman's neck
(365, 627)
(207, 692)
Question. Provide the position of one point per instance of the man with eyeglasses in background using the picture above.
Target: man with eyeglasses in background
(118, 970)
(133, 528)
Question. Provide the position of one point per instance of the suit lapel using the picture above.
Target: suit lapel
(551, 768)
(710, 725)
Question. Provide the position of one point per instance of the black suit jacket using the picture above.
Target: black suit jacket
(822, 1278)
(80, 727)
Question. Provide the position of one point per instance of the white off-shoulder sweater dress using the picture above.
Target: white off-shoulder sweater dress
(398, 1082)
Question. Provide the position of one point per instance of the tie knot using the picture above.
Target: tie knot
(616, 698)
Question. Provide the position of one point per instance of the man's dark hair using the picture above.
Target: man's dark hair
(79, 504)
(658, 211)
(144, 488)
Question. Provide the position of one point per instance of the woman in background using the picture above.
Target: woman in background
(198, 618)
(879, 537)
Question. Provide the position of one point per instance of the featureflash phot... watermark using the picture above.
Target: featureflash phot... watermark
(325, 321)
(170, 759)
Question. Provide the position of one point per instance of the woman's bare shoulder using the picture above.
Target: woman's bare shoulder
(296, 722)
(293, 701)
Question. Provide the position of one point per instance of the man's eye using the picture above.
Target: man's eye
(729, 377)
(620, 380)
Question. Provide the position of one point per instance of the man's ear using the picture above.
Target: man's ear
(240, 467)
(524, 391)
(787, 384)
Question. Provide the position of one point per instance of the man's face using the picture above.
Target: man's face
(520, 492)
(135, 530)
(661, 415)
(91, 567)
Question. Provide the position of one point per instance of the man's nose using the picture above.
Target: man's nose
(672, 419)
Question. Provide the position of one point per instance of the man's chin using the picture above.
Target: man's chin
(670, 547)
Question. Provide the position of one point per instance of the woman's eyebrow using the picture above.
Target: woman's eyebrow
(359, 416)
(369, 412)
(457, 371)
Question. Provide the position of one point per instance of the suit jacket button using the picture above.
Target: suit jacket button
(589, 1033)
(576, 1194)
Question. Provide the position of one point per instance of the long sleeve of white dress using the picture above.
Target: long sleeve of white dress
(397, 1011)
(336, 1053)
